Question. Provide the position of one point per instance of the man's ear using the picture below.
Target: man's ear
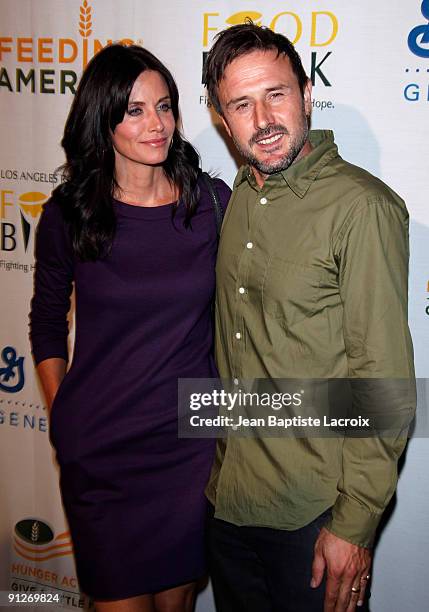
(226, 126)
(307, 97)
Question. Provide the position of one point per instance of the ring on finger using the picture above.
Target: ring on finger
(355, 589)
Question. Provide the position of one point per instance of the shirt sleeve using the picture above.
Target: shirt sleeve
(372, 251)
(53, 282)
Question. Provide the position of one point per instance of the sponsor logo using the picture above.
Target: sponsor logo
(33, 176)
(418, 38)
(36, 545)
(12, 378)
(23, 415)
(34, 531)
(50, 65)
(34, 540)
(18, 218)
(418, 43)
(320, 31)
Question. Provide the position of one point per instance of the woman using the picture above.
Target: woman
(134, 228)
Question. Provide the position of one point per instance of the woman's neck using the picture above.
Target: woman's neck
(144, 186)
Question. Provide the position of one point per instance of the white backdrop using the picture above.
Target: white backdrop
(371, 85)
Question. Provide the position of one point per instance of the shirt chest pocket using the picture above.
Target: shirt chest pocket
(290, 290)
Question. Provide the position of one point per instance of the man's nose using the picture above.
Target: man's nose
(262, 115)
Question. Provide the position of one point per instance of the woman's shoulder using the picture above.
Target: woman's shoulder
(52, 225)
(221, 188)
(52, 216)
(53, 210)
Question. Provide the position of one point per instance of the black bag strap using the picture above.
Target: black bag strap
(211, 187)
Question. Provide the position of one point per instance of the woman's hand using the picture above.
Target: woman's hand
(51, 372)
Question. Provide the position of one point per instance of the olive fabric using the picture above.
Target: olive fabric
(312, 278)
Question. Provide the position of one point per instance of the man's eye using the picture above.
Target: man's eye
(242, 106)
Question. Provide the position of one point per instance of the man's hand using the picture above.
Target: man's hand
(347, 571)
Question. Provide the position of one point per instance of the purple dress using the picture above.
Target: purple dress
(133, 492)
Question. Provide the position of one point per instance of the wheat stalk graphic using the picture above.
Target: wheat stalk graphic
(35, 531)
(85, 23)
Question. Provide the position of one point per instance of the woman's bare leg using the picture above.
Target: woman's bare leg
(179, 599)
(142, 603)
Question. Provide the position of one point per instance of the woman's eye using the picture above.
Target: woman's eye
(164, 107)
(134, 111)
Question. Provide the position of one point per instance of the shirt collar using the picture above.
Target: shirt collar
(300, 175)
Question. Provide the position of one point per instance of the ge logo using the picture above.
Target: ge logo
(418, 38)
(12, 375)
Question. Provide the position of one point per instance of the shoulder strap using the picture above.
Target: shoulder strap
(210, 184)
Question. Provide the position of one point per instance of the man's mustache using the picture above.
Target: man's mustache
(267, 132)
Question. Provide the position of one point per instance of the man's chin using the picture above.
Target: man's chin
(268, 168)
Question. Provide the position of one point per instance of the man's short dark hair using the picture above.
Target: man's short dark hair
(240, 40)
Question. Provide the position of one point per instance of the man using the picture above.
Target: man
(311, 283)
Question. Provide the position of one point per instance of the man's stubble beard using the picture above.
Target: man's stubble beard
(295, 147)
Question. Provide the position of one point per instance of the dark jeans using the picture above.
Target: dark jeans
(257, 569)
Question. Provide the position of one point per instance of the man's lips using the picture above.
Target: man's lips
(271, 143)
(269, 140)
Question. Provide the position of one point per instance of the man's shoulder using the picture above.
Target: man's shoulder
(355, 185)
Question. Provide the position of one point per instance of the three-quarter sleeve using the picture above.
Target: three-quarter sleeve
(53, 282)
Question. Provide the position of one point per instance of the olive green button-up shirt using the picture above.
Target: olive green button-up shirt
(311, 283)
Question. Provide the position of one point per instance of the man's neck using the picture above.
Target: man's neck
(260, 177)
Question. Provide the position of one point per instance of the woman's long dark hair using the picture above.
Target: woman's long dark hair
(86, 196)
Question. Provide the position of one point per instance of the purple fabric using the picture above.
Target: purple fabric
(133, 491)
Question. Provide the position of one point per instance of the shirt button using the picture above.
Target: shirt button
(249, 245)
(238, 335)
(242, 290)
(236, 381)
(263, 200)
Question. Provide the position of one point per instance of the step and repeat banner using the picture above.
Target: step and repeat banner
(369, 63)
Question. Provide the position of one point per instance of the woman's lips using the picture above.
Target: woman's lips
(156, 142)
